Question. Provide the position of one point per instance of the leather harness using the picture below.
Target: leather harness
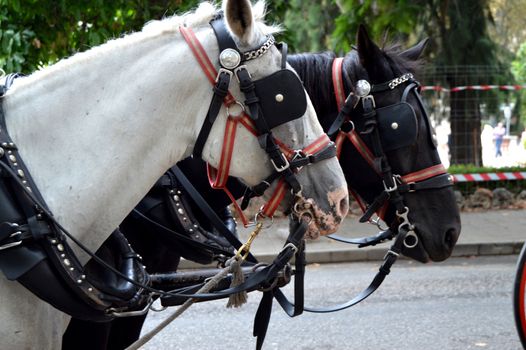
(34, 247)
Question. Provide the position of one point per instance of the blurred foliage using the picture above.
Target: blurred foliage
(35, 33)
(518, 67)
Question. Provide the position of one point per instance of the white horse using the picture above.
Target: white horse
(98, 129)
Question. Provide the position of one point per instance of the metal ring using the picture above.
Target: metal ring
(237, 115)
(414, 236)
(260, 214)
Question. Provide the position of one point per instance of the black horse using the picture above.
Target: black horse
(431, 209)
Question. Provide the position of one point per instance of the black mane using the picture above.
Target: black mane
(315, 69)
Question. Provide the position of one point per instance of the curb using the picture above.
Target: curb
(377, 254)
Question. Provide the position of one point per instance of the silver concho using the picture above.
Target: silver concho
(363, 88)
(230, 58)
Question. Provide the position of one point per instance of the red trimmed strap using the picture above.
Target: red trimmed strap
(337, 81)
(424, 174)
(277, 196)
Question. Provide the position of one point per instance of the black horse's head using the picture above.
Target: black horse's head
(405, 148)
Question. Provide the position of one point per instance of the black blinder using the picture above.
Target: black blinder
(282, 97)
(397, 125)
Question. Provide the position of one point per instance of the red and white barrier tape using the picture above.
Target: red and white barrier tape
(474, 87)
(489, 177)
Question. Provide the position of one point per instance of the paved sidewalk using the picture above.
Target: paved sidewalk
(495, 232)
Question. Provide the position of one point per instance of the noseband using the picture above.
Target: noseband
(269, 102)
(391, 127)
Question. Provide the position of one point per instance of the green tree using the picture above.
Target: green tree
(461, 29)
(518, 67)
(36, 33)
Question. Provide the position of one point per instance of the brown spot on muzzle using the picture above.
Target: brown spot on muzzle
(327, 222)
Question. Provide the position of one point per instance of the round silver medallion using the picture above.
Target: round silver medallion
(363, 88)
(394, 125)
(229, 58)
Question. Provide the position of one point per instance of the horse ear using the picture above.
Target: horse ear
(414, 52)
(367, 49)
(239, 18)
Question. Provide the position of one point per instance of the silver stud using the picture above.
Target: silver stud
(83, 277)
(90, 289)
(195, 225)
(171, 191)
(11, 144)
(4, 144)
(20, 173)
(229, 58)
(67, 262)
(71, 269)
(279, 98)
(190, 230)
(178, 192)
(29, 189)
(2, 152)
(363, 88)
(12, 158)
(60, 247)
(62, 255)
(177, 204)
(79, 281)
(176, 198)
(185, 218)
(24, 182)
(180, 211)
(394, 126)
(53, 241)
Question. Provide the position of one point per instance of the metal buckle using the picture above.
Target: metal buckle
(12, 244)
(396, 179)
(282, 168)
(369, 97)
(240, 68)
(223, 70)
(290, 245)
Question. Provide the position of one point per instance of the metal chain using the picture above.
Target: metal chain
(250, 55)
(401, 79)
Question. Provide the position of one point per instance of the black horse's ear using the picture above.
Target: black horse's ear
(367, 49)
(413, 53)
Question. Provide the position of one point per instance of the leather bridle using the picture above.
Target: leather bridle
(360, 103)
(286, 162)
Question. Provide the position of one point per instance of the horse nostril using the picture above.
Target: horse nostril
(450, 238)
(344, 206)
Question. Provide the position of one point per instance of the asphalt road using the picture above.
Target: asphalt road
(463, 303)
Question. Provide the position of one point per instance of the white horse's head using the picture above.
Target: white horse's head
(323, 184)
